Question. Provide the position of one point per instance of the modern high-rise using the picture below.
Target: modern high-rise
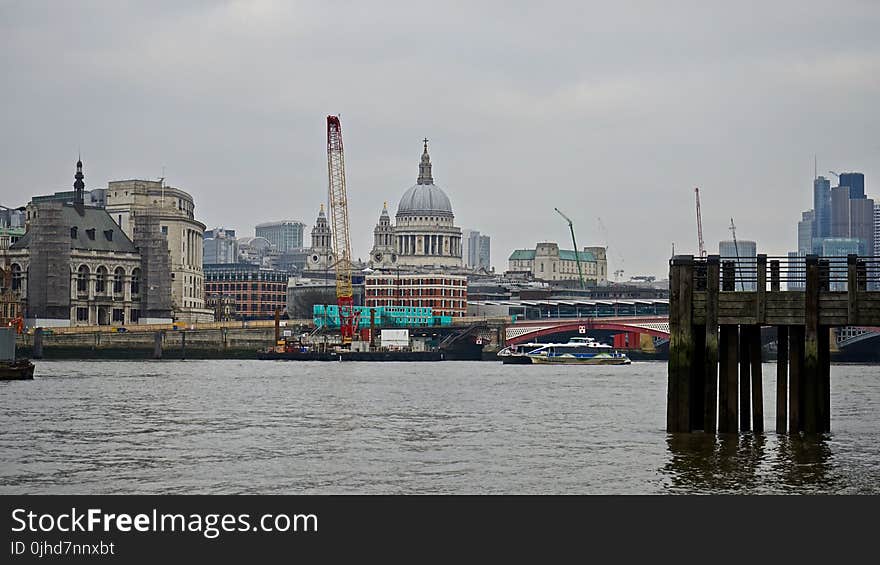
(855, 182)
(877, 229)
(221, 247)
(822, 207)
(744, 254)
(284, 235)
(839, 212)
(475, 250)
(839, 247)
(806, 229)
(861, 223)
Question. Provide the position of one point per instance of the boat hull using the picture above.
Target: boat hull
(18, 371)
(516, 360)
(567, 360)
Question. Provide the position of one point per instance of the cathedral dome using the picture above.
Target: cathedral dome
(424, 197)
(427, 199)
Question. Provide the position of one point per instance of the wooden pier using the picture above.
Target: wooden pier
(716, 311)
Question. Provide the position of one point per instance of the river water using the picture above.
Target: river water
(447, 427)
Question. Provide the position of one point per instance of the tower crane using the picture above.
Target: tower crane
(699, 225)
(340, 229)
(577, 256)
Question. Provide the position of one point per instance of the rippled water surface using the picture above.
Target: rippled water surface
(448, 427)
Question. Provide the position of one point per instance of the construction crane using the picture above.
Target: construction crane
(701, 246)
(835, 174)
(577, 256)
(732, 229)
(340, 229)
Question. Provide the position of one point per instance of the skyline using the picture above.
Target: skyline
(523, 110)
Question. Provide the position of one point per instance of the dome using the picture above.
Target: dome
(426, 199)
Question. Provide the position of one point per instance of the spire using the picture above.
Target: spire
(425, 166)
(321, 212)
(384, 209)
(78, 188)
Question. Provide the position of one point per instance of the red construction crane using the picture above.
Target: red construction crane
(699, 225)
(341, 237)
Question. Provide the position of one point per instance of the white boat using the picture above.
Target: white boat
(578, 351)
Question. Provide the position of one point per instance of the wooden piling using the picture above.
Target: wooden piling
(781, 378)
(774, 275)
(672, 367)
(811, 347)
(745, 393)
(761, 302)
(757, 384)
(157, 345)
(727, 386)
(824, 385)
(710, 402)
(795, 379)
(37, 351)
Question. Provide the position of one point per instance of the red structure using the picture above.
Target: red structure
(339, 225)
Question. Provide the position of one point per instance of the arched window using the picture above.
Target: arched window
(135, 282)
(16, 276)
(118, 274)
(101, 280)
(82, 279)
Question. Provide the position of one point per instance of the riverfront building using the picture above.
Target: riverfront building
(549, 263)
(445, 294)
(174, 210)
(76, 266)
(257, 292)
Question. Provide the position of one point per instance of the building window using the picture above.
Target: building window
(82, 279)
(82, 314)
(118, 315)
(16, 276)
(135, 282)
(101, 280)
(117, 280)
(134, 316)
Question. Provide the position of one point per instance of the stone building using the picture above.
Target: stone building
(75, 266)
(549, 263)
(126, 200)
(321, 252)
(424, 235)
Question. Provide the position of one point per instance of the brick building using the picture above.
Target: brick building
(445, 294)
(257, 291)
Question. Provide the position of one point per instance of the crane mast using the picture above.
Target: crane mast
(699, 225)
(339, 226)
(577, 256)
(732, 229)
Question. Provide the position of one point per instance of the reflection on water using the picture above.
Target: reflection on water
(749, 463)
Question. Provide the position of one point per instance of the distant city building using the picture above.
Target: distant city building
(445, 294)
(877, 229)
(839, 247)
(76, 266)
(384, 253)
(839, 212)
(744, 254)
(549, 263)
(797, 270)
(174, 210)
(255, 251)
(95, 198)
(475, 250)
(12, 226)
(257, 291)
(855, 182)
(861, 224)
(284, 235)
(806, 231)
(220, 247)
(822, 207)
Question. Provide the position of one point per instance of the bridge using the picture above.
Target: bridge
(629, 328)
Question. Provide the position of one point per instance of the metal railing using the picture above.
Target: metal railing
(836, 273)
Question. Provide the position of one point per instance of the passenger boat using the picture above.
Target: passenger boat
(578, 351)
(18, 370)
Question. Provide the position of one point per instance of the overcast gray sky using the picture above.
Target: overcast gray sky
(611, 110)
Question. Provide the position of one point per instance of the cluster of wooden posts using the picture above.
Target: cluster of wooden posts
(715, 372)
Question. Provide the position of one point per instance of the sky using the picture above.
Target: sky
(611, 111)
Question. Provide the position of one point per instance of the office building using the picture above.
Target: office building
(744, 254)
(257, 291)
(549, 263)
(806, 229)
(445, 294)
(855, 182)
(822, 207)
(220, 246)
(284, 235)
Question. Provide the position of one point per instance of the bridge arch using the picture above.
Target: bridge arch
(525, 332)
